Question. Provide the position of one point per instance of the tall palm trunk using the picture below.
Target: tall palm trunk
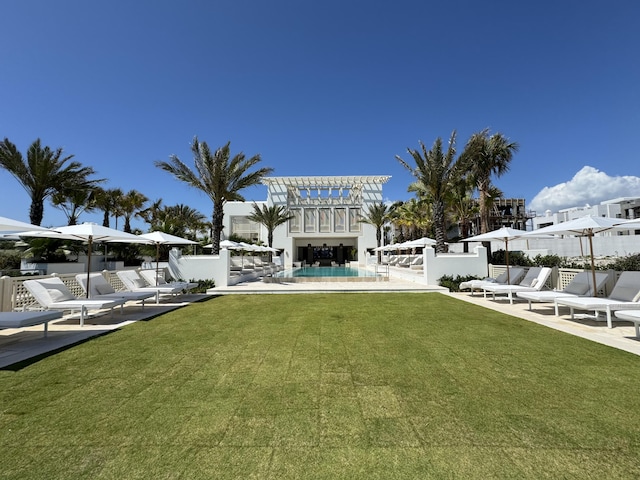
(36, 211)
(217, 226)
(439, 224)
(483, 187)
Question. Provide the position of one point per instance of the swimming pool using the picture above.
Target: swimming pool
(324, 274)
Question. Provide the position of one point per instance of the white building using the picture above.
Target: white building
(326, 225)
(623, 208)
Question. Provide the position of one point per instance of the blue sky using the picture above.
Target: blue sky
(325, 88)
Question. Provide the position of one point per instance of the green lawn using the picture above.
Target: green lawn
(354, 386)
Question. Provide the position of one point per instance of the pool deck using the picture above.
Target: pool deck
(20, 347)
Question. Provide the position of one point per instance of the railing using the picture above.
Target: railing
(382, 269)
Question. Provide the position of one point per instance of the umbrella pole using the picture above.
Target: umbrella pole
(593, 266)
(157, 261)
(506, 259)
(89, 264)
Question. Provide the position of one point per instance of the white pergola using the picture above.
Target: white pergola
(326, 182)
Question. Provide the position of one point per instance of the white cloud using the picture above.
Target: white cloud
(588, 186)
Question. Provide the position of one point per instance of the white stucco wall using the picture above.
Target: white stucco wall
(438, 265)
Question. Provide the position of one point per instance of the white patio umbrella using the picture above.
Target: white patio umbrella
(503, 234)
(633, 224)
(391, 247)
(228, 244)
(246, 247)
(162, 238)
(10, 225)
(87, 232)
(420, 242)
(583, 227)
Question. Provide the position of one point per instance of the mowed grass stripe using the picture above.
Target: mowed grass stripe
(325, 386)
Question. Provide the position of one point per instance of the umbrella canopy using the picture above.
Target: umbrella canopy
(228, 244)
(503, 234)
(420, 242)
(247, 247)
(162, 238)
(633, 224)
(583, 227)
(87, 232)
(10, 225)
(384, 248)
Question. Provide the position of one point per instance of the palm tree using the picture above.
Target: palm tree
(412, 218)
(152, 213)
(395, 219)
(486, 155)
(44, 172)
(107, 200)
(377, 215)
(435, 173)
(181, 219)
(74, 202)
(220, 177)
(132, 204)
(271, 217)
(462, 207)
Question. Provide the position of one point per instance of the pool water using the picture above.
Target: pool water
(325, 274)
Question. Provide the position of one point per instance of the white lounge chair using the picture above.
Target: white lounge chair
(52, 294)
(405, 261)
(515, 275)
(239, 266)
(533, 281)
(580, 285)
(417, 263)
(630, 316)
(100, 289)
(624, 296)
(27, 319)
(135, 283)
(159, 281)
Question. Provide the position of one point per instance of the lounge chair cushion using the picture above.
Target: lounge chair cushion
(139, 282)
(577, 288)
(502, 278)
(58, 295)
(103, 289)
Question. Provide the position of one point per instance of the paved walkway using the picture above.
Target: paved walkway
(19, 345)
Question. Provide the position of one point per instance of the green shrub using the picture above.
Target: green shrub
(515, 258)
(628, 263)
(549, 261)
(9, 260)
(203, 285)
(453, 284)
